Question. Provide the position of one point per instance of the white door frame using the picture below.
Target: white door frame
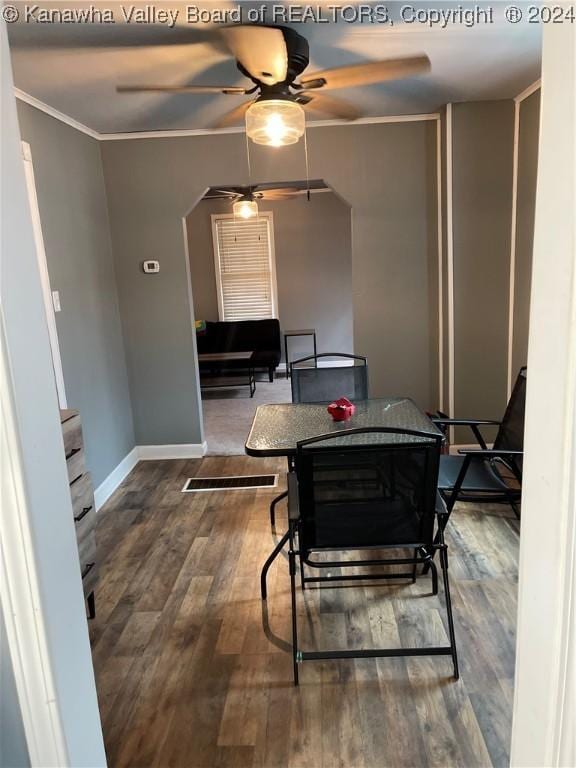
(543, 730)
(40, 581)
(19, 594)
(44, 276)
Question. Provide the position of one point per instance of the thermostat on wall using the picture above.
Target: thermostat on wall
(150, 267)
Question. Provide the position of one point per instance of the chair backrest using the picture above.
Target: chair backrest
(367, 488)
(511, 432)
(314, 384)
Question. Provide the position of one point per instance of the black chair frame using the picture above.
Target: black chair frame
(423, 555)
(345, 356)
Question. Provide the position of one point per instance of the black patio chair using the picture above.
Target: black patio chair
(337, 505)
(487, 474)
(346, 377)
(314, 384)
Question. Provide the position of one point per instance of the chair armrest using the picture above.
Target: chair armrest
(489, 453)
(474, 425)
(466, 422)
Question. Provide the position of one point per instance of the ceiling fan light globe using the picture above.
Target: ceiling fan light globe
(245, 209)
(275, 122)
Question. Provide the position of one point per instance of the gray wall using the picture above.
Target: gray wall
(482, 207)
(73, 210)
(13, 748)
(313, 267)
(386, 172)
(526, 203)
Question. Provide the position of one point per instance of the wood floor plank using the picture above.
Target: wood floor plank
(187, 677)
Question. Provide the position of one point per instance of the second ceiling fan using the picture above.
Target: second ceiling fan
(274, 59)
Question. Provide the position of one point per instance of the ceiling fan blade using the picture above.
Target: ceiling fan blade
(330, 106)
(233, 117)
(370, 72)
(279, 195)
(261, 51)
(199, 89)
(280, 190)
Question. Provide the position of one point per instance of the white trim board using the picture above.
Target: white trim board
(55, 113)
(545, 679)
(440, 265)
(450, 264)
(176, 451)
(144, 453)
(513, 225)
(20, 600)
(179, 133)
(44, 276)
(118, 474)
(240, 128)
(528, 91)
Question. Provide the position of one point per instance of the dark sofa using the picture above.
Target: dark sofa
(261, 336)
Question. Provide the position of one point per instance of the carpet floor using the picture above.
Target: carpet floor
(228, 414)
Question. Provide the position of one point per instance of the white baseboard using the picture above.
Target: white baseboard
(109, 485)
(144, 453)
(176, 451)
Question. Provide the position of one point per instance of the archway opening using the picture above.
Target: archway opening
(303, 233)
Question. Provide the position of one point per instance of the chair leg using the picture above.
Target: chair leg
(302, 582)
(437, 539)
(444, 564)
(91, 605)
(414, 567)
(266, 567)
(434, 574)
(292, 564)
(273, 507)
(515, 509)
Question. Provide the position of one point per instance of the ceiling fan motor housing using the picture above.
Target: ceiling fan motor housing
(298, 58)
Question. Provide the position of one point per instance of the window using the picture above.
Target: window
(245, 268)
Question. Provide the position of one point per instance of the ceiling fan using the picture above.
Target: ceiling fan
(274, 59)
(268, 191)
(245, 199)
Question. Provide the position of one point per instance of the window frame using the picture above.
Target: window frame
(269, 217)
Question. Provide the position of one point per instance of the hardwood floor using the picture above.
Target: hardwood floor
(187, 677)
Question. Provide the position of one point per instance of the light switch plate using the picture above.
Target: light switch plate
(56, 301)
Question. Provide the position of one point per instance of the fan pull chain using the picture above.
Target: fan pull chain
(248, 163)
(306, 161)
(250, 189)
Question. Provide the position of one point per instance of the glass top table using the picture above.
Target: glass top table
(277, 429)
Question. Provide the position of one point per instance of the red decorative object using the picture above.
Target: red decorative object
(341, 409)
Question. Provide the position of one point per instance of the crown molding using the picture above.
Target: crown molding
(528, 91)
(55, 113)
(179, 133)
(240, 129)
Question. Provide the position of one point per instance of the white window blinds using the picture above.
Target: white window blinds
(244, 258)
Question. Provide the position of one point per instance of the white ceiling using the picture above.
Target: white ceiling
(74, 68)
